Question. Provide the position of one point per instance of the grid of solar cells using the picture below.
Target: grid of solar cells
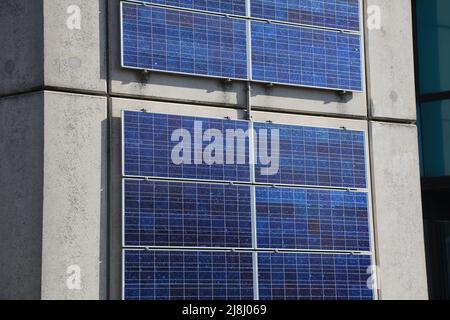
(316, 157)
(183, 42)
(339, 14)
(307, 57)
(166, 275)
(313, 277)
(176, 214)
(307, 219)
(148, 147)
(236, 7)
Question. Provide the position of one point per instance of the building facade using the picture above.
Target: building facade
(62, 93)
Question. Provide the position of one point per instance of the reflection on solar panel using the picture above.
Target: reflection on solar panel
(236, 7)
(148, 147)
(339, 14)
(304, 56)
(165, 275)
(176, 214)
(317, 157)
(313, 277)
(217, 211)
(211, 43)
(184, 42)
(312, 219)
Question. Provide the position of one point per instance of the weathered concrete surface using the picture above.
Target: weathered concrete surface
(398, 211)
(74, 208)
(21, 38)
(391, 62)
(75, 57)
(21, 177)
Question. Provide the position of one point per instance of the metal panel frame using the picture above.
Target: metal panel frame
(249, 51)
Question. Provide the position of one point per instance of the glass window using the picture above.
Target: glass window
(433, 35)
(435, 128)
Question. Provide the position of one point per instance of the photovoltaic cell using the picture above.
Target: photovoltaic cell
(316, 157)
(183, 42)
(313, 277)
(308, 219)
(339, 14)
(176, 214)
(304, 56)
(170, 215)
(236, 7)
(148, 147)
(166, 275)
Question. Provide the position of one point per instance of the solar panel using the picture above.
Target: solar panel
(308, 219)
(170, 207)
(183, 42)
(235, 7)
(288, 276)
(316, 157)
(307, 57)
(177, 214)
(166, 275)
(148, 147)
(339, 14)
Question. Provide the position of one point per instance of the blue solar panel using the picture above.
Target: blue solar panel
(307, 219)
(176, 214)
(313, 277)
(317, 157)
(236, 7)
(171, 215)
(164, 275)
(148, 148)
(339, 14)
(307, 57)
(183, 42)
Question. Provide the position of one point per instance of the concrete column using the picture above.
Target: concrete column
(74, 205)
(22, 39)
(390, 57)
(21, 180)
(75, 44)
(398, 211)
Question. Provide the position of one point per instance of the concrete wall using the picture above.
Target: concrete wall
(75, 57)
(21, 177)
(21, 61)
(390, 67)
(74, 207)
(398, 213)
(43, 46)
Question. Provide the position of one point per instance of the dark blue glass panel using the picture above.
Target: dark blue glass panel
(175, 214)
(148, 147)
(308, 219)
(339, 14)
(306, 57)
(165, 275)
(316, 157)
(183, 42)
(313, 277)
(236, 7)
